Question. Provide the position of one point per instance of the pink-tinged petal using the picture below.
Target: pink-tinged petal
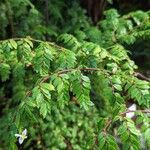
(132, 107)
(131, 114)
(24, 132)
(20, 140)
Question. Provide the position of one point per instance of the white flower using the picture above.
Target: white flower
(21, 136)
(132, 108)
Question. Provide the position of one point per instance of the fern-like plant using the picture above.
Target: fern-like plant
(90, 69)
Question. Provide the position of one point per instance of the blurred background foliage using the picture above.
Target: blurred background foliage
(71, 127)
(47, 19)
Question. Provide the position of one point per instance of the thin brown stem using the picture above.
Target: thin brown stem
(129, 111)
(141, 76)
(45, 79)
(107, 125)
(81, 69)
(90, 69)
(69, 70)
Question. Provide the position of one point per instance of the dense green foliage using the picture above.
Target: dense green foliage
(71, 93)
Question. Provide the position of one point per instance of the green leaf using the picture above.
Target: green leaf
(46, 93)
(29, 42)
(31, 103)
(133, 129)
(103, 53)
(29, 113)
(101, 123)
(101, 140)
(47, 86)
(147, 136)
(13, 43)
(43, 109)
(122, 129)
(4, 71)
(112, 142)
(124, 137)
(118, 87)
